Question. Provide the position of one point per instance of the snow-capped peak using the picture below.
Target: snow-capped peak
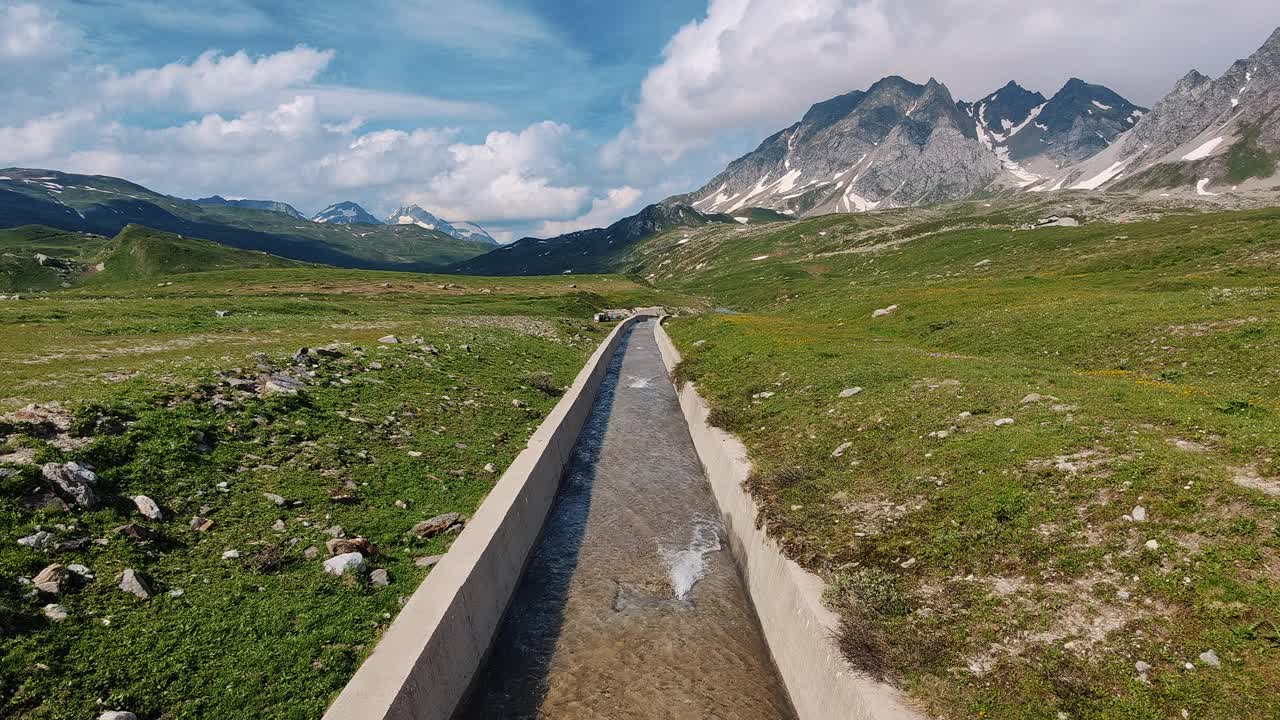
(345, 213)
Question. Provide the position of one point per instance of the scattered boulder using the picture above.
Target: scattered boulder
(222, 313)
(440, 523)
(490, 468)
(200, 524)
(1139, 514)
(74, 479)
(53, 580)
(1210, 657)
(343, 564)
(839, 451)
(850, 392)
(1033, 398)
(148, 507)
(343, 546)
(230, 554)
(311, 552)
(275, 499)
(134, 584)
(1002, 422)
(278, 525)
(336, 531)
(1153, 545)
(428, 561)
(389, 340)
(380, 578)
(884, 311)
(117, 715)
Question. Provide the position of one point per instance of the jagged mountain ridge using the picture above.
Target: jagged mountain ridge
(902, 144)
(1206, 136)
(272, 205)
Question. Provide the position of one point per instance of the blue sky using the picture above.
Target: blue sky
(528, 116)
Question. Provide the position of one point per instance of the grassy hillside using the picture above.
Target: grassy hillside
(140, 252)
(168, 400)
(1053, 483)
(105, 206)
(21, 272)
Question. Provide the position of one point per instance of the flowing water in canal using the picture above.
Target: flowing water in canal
(631, 605)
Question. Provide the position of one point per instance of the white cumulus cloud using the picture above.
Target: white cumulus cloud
(615, 203)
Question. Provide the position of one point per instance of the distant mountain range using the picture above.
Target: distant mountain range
(105, 205)
(345, 213)
(271, 205)
(415, 215)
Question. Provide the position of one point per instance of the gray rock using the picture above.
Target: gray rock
(839, 451)
(76, 480)
(276, 499)
(343, 564)
(850, 392)
(117, 715)
(428, 561)
(1210, 657)
(311, 552)
(282, 384)
(54, 612)
(40, 540)
(148, 507)
(278, 526)
(389, 340)
(438, 524)
(335, 531)
(380, 578)
(222, 313)
(1139, 514)
(134, 584)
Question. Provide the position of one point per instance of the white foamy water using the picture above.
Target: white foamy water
(687, 564)
(638, 383)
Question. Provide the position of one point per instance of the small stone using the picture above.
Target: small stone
(1153, 545)
(839, 451)
(148, 507)
(1004, 421)
(438, 524)
(336, 531)
(117, 715)
(884, 311)
(490, 468)
(415, 453)
(278, 526)
(1142, 667)
(850, 392)
(200, 524)
(517, 404)
(177, 592)
(1122, 594)
(37, 541)
(965, 414)
(1210, 657)
(380, 578)
(134, 531)
(222, 313)
(230, 554)
(763, 395)
(75, 480)
(1139, 514)
(389, 340)
(53, 580)
(428, 561)
(54, 612)
(134, 584)
(276, 499)
(1035, 398)
(342, 546)
(909, 564)
(342, 564)
(311, 552)
(402, 505)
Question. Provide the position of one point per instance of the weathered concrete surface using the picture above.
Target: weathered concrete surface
(787, 598)
(424, 664)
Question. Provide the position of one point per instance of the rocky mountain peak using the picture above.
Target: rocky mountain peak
(345, 213)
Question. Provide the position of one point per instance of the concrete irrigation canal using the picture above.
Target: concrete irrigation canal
(631, 605)
(617, 570)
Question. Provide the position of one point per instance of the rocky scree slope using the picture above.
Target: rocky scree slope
(1206, 136)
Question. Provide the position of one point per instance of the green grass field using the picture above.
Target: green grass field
(380, 438)
(972, 504)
